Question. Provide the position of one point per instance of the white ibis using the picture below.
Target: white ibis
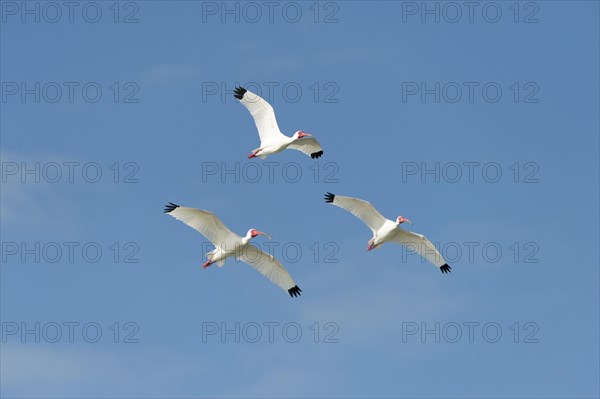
(272, 140)
(384, 230)
(229, 244)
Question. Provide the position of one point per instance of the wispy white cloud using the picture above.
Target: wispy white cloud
(29, 205)
(59, 372)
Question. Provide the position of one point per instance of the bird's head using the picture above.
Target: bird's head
(300, 134)
(402, 219)
(253, 233)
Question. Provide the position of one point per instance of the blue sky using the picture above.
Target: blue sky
(344, 72)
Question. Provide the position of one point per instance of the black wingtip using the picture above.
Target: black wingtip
(239, 92)
(170, 207)
(329, 198)
(316, 154)
(294, 291)
(445, 268)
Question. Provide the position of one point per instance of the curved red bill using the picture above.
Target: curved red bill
(260, 233)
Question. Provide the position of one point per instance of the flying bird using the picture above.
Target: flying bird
(229, 244)
(385, 230)
(272, 140)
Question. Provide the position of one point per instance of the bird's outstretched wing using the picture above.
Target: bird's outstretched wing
(310, 146)
(359, 208)
(207, 223)
(269, 267)
(263, 114)
(421, 245)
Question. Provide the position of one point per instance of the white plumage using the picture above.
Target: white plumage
(385, 230)
(229, 244)
(272, 140)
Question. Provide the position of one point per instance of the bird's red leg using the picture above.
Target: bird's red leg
(371, 246)
(206, 264)
(253, 154)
